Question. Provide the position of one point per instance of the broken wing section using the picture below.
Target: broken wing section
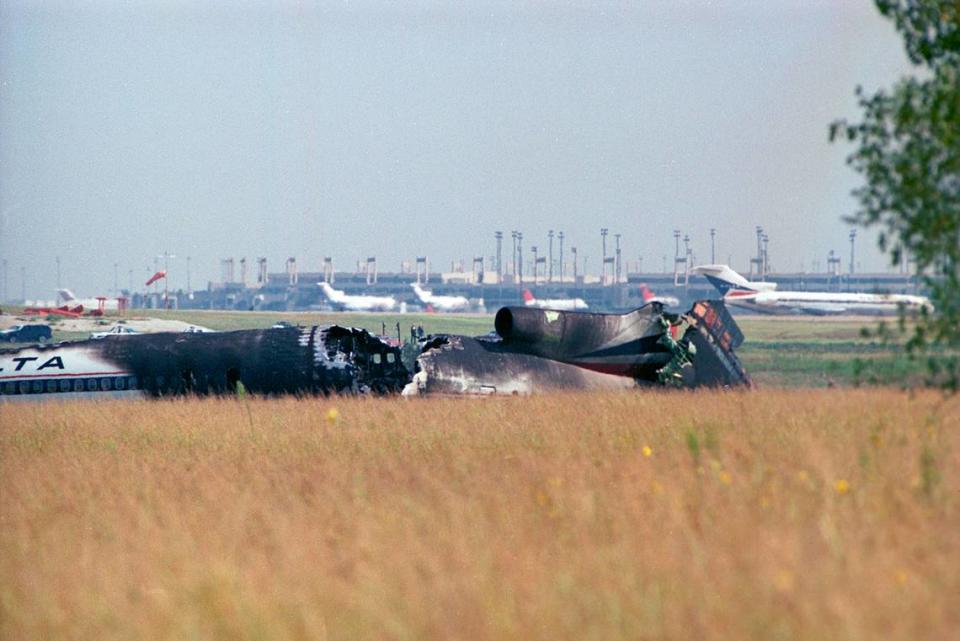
(454, 365)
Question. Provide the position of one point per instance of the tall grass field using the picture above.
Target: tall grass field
(821, 515)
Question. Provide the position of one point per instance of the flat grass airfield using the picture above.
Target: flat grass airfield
(825, 504)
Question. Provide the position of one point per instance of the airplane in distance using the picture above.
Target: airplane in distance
(67, 296)
(357, 303)
(650, 297)
(562, 304)
(441, 303)
(765, 298)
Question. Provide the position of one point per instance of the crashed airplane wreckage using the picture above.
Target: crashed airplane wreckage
(542, 350)
(532, 350)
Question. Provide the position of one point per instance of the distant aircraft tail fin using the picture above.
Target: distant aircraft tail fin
(528, 297)
(66, 295)
(646, 293)
(422, 295)
(724, 278)
(332, 294)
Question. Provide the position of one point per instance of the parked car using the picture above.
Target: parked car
(194, 329)
(26, 334)
(119, 330)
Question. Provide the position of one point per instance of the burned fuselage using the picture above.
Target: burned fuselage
(290, 360)
(533, 350)
(544, 350)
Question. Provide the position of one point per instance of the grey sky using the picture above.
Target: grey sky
(218, 129)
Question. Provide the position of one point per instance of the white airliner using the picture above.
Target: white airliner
(441, 303)
(110, 304)
(562, 304)
(357, 303)
(650, 297)
(765, 298)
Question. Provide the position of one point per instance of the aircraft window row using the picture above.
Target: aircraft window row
(57, 385)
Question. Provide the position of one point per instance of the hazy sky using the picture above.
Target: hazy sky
(215, 129)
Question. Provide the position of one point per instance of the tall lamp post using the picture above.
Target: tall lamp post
(499, 236)
(520, 255)
(166, 256)
(603, 261)
(617, 255)
(853, 238)
(560, 237)
(550, 257)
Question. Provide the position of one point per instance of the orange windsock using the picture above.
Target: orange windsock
(160, 274)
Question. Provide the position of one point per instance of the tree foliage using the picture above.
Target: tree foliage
(908, 152)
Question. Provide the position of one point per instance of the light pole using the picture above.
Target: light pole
(616, 237)
(603, 261)
(520, 255)
(560, 236)
(513, 256)
(499, 236)
(536, 271)
(853, 238)
(759, 249)
(713, 246)
(766, 257)
(573, 250)
(166, 256)
(550, 257)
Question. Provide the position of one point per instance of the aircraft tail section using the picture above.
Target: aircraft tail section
(528, 297)
(716, 335)
(725, 279)
(66, 295)
(421, 294)
(332, 294)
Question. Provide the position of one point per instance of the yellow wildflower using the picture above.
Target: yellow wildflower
(647, 451)
(842, 486)
(332, 415)
(784, 581)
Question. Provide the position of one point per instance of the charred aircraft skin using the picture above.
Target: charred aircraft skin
(538, 350)
(313, 360)
(533, 350)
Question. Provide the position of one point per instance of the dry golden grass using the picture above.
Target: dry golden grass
(776, 515)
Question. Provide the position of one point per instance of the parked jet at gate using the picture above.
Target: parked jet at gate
(562, 304)
(765, 298)
(357, 303)
(109, 304)
(441, 303)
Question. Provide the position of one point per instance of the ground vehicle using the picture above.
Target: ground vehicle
(26, 334)
(119, 330)
(193, 329)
